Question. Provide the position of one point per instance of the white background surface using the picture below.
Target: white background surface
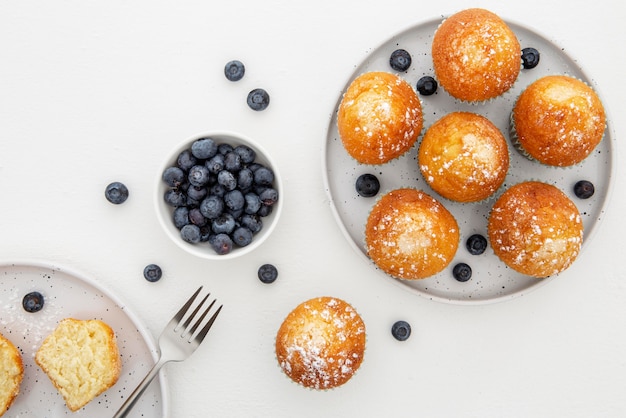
(94, 92)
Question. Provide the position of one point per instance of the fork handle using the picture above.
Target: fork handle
(139, 390)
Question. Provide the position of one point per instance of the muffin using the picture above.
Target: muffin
(82, 360)
(379, 117)
(321, 343)
(476, 56)
(558, 120)
(535, 229)
(410, 235)
(464, 157)
(11, 373)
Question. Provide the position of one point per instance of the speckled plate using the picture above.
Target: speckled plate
(491, 280)
(68, 294)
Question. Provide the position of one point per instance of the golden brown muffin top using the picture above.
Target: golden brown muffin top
(559, 120)
(379, 118)
(411, 235)
(476, 55)
(321, 343)
(464, 157)
(535, 229)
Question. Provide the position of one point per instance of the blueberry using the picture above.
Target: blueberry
(242, 236)
(217, 190)
(180, 216)
(33, 302)
(197, 193)
(476, 244)
(263, 176)
(227, 179)
(245, 178)
(232, 162)
(212, 207)
(584, 189)
(204, 148)
(234, 200)
(215, 164)
(401, 330)
(367, 185)
(173, 176)
(530, 58)
(265, 210)
(269, 196)
(221, 243)
(223, 224)
(186, 160)
(247, 154)
(400, 60)
(252, 222)
(234, 70)
(199, 175)
(224, 148)
(426, 86)
(116, 193)
(267, 273)
(253, 203)
(175, 198)
(190, 233)
(196, 217)
(152, 273)
(258, 99)
(462, 272)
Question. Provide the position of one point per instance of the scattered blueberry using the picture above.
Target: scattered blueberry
(401, 330)
(33, 302)
(116, 193)
(530, 58)
(258, 99)
(426, 85)
(367, 185)
(584, 189)
(400, 60)
(267, 273)
(204, 148)
(462, 272)
(476, 244)
(152, 273)
(234, 70)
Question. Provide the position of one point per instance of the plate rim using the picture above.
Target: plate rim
(603, 205)
(121, 304)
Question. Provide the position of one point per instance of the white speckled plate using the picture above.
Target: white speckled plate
(491, 280)
(68, 294)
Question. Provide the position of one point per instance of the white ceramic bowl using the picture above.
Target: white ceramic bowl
(204, 249)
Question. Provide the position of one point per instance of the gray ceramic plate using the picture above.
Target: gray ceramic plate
(491, 280)
(68, 294)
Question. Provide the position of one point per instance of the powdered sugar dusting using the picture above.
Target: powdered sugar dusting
(321, 343)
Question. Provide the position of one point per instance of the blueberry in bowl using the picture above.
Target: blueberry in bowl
(218, 195)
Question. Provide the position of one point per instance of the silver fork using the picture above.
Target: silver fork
(176, 343)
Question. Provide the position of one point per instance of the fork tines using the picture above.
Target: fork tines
(194, 327)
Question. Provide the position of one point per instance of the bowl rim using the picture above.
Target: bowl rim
(163, 211)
